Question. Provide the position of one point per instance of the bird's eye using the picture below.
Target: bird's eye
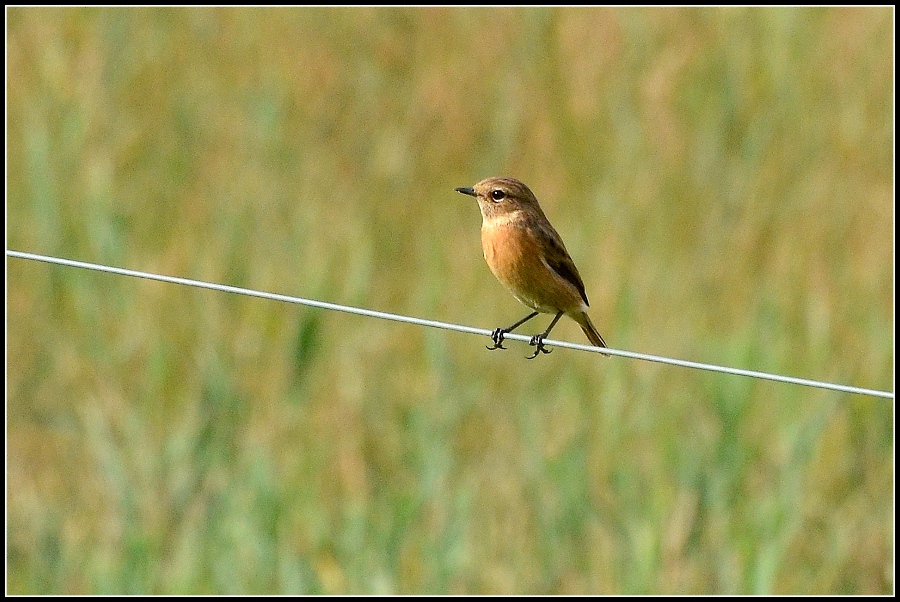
(497, 194)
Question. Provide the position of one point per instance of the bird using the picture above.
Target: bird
(528, 257)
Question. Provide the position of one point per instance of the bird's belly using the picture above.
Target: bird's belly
(516, 262)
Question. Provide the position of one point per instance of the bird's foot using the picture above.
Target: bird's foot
(537, 341)
(497, 337)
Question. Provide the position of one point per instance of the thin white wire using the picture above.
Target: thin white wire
(459, 328)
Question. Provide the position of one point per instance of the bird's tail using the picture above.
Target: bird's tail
(588, 327)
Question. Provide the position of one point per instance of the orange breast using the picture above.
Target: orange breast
(514, 257)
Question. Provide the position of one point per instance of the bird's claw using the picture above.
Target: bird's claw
(538, 341)
(497, 337)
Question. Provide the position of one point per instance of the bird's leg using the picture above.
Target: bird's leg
(498, 333)
(538, 339)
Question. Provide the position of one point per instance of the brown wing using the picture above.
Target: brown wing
(558, 258)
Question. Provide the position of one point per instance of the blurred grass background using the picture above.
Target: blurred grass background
(722, 178)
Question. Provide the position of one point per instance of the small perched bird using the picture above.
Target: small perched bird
(529, 258)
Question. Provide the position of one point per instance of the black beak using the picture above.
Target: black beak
(466, 190)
